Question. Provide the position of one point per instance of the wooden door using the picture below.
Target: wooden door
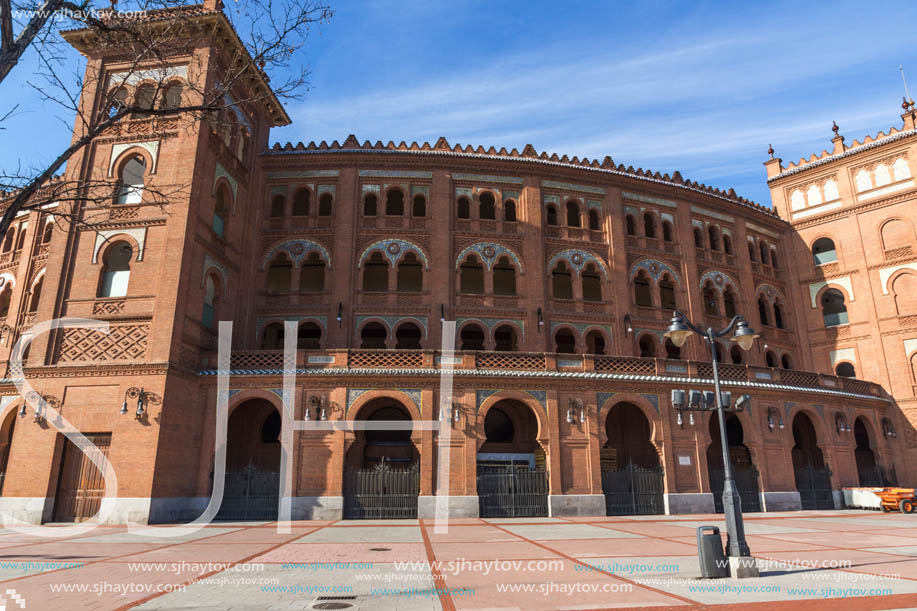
(80, 487)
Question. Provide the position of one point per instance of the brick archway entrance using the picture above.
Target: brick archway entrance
(252, 462)
(381, 475)
(867, 469)
(813, 479)
(632, 479)
(743, 469)
(512, 478)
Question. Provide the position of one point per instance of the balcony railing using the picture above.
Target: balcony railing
(484, 361)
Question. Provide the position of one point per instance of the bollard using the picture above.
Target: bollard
(710, 553)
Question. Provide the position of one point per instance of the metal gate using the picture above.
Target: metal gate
(250, 493)
(633, 490)
(381, 492)
(512, 492)
(747, 483)
(814, 487)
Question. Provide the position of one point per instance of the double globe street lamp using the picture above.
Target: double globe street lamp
(741, 563)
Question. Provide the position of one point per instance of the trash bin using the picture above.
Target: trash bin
(710, 553)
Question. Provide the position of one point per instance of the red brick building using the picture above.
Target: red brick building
(561, 275)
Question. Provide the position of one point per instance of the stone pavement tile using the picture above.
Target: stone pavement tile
(647, 529)
(150, 535)
(270, 536)
(762, 543)
(525, 521)
(345, 552)
(879, 522)
(899, 550)
(301, 589)
(552, 532)
(367, 534)
(483, 534)
(583, 548)
(849, 539)
(197, 552)
(752, 527)
(66, 551)
(564, 588)
(503, 550)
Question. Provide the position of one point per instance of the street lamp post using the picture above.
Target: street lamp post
(741, 563)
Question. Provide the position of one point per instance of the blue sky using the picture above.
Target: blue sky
(699, 87)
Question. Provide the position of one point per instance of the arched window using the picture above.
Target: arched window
(595, 343)
(472, 338)
(562, 282)
(144, 96)
(785, 361)
(643, 295)
(488, 207)
(407, 337)
(668, 233)
(896, 234)
(278, 206)
(573, 218)
(714, 237)
(592, 284)
(9, 240)
(710, 301)
(630, 225)
(309, 337)
(504, 277)
(118, 101)
(116, 270)
(647, 345)
(210, 300)
(464, 208)
(833, 308)
(370, 204)
(410, 274)
(904, 289)
(394, 202)
(172, 98)
(5, 296)
(324, 204)
(762, 311)
(751, 251)
(649, 225)
(372, 336)
(778, 315)
(845, 370)
(130, 181)
(419, 209)
(375, 273)
(770, 358)
(823, 251)
(220, 210)
(23, 229)
(279, 274)
(735, 353)
(551, 218)
(727, 244)
(509, 211)
(471, 276)
(667, 293)
(312, 274)
(272, 338)
(564, 341)
(671, 350)
(774, 258)
(762, 246)
(48, 231)
(698, 238)
(301, 202)
(594, 220)
(36, 294)
(729, 302)
(505, 338)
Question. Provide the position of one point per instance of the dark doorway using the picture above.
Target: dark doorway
(813, 479)
(252, 463)
(743, 470)
(80, 487)
(632, 479)
(867, 469)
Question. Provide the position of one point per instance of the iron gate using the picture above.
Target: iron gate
(633, 490)
(381, 492)
(814, 487)
(512, 492)
(747, 483)
(250, 493)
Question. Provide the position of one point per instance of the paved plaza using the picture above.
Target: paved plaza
(810, 560)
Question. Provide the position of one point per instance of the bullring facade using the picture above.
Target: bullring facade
(560, 274)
